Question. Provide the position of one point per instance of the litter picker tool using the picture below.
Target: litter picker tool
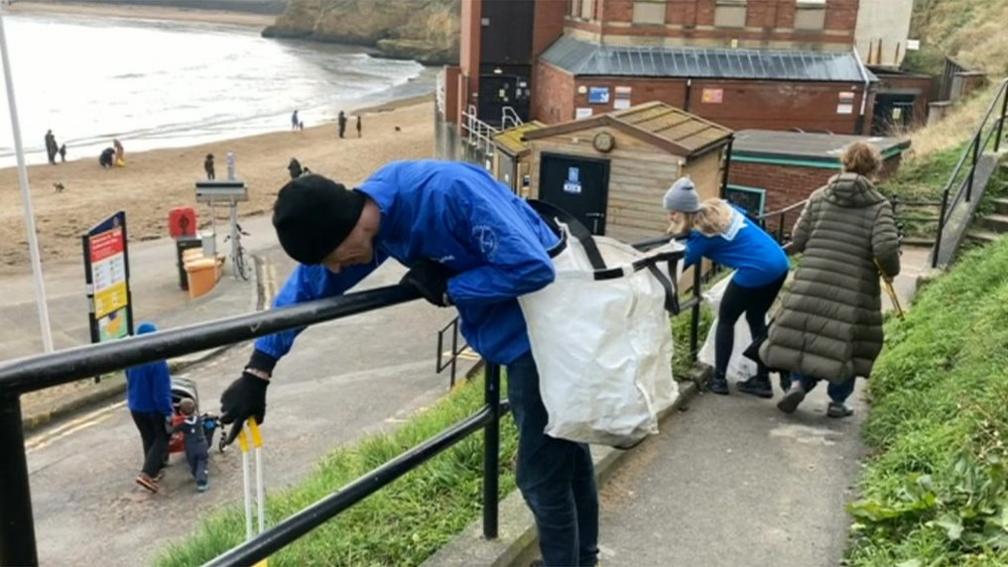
(260, 496)
(890, 290)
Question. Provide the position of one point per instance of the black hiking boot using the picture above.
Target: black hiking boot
(793, 397)
(756, 386)
(718, 385)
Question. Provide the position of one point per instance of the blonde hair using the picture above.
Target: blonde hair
(713, 217)
(861, 158)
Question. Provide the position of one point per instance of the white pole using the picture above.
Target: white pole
(36, 262)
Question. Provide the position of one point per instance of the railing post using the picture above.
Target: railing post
(1004, 110)
(491, 451)
(976, 150)
(941, 228)
(17, 527)
(694, 338)
(454, 351)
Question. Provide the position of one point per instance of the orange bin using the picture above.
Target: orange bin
(202, 276)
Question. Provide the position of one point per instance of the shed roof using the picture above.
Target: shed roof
(586, 58)
(510, 140)
(804, 148)
(657, 123)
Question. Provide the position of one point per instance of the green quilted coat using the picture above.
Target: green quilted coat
(830, 322)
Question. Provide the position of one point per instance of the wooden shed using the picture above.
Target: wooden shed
(612, 170)
(511, 156)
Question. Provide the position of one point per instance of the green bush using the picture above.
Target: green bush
(936, 491)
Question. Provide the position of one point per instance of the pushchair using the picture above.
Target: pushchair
(183, 388)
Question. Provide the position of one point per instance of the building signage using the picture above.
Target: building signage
(573, 183)
(106, 271)
(712, 96)
(622, 99)
(582, 112)
(598, 95)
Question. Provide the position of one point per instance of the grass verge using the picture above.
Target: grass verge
(407, 521)
(936, 491)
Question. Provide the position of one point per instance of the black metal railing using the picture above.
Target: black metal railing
(449, 360)
(17, 532)
(778, 223)
(962, 179)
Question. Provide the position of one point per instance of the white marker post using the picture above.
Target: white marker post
(33, 249)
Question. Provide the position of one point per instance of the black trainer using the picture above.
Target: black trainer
(838, 409)
(718, 385)
(756, 386)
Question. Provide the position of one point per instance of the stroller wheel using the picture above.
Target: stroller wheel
(220, 444)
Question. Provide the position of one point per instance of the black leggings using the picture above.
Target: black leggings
(754, 302)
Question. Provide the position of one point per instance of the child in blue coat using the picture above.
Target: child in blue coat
(196, 447)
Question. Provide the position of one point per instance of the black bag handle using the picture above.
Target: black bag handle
(551, 214)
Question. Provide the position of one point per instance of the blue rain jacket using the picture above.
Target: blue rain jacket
(148, 386)
(460, 216)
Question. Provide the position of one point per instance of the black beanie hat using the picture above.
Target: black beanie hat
(313, 215)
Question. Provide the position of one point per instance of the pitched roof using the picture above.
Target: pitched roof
(657, 123)
(510, 140)
(585, 58)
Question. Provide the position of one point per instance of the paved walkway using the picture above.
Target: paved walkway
(732, 481)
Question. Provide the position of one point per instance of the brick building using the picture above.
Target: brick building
(771, 170)
(770, 64)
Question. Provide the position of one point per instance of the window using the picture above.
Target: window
(575, 8)
(649, 12)
(588, 9)
(730, 14)
(810, 15)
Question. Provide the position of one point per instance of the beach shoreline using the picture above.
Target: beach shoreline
(155, 181)
(164, 13)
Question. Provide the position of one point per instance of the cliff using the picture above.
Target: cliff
(425, 30)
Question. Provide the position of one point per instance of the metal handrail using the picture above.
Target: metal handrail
(975, 148)
(781, 214)
(508, 114)
(17, 532)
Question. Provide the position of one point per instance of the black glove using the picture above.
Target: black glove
(431, 280)
(244, 398)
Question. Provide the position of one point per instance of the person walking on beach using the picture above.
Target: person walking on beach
(51, 146)
(208, 167)
(358, 126)
(148, 396)
(62, 153)
(106, 158)
(342, 123)
(469, 242)
(120, 153)
(295, 122)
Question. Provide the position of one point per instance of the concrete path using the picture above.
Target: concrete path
(733, 481)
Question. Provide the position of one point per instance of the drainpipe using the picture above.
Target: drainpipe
(689, 88)
(864, 95)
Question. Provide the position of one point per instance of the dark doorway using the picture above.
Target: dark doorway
(578, 185)
(498, 91)
(893, 113)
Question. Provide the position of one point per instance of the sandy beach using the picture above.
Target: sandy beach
(155, 181)
(146, 13)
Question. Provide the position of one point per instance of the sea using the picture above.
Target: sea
(157, 84)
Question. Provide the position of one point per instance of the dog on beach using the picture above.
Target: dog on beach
(59, 187)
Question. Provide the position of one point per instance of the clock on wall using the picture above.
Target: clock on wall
(604, 142)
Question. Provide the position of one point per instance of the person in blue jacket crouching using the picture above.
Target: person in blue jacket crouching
(716, 230)
(468, 242)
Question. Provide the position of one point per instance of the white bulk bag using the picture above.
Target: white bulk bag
(739, 366)
(602, 343)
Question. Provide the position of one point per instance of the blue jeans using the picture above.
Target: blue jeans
(556, 477)
(837, 392)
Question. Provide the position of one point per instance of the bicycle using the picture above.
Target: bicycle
(239, 256)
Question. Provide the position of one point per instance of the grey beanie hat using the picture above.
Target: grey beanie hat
(682, 196)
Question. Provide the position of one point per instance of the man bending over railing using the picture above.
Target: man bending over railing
(471, 243)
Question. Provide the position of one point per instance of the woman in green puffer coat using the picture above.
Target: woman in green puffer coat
(830, 324)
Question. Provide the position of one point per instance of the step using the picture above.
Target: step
(1000, 205)
(983, 236)
(995, 223)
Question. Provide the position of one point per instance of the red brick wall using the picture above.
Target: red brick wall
(773, 18)
(779, 105)
(469, 49)
(548, 23)
(552, 94)
(786, 185)
(671, 91)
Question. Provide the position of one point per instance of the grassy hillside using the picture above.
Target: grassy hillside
(970, 31)
(936, 490)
